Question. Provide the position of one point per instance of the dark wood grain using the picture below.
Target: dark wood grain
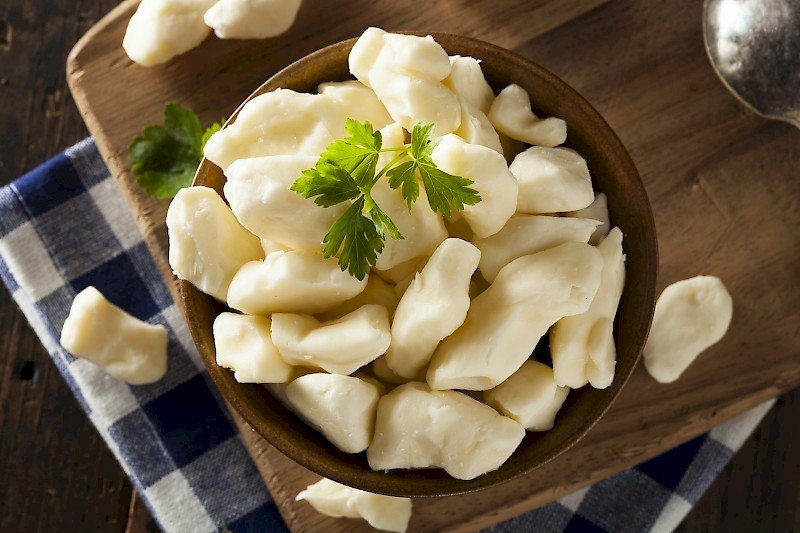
(55, 472)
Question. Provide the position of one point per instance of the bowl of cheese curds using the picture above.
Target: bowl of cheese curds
(418, 265)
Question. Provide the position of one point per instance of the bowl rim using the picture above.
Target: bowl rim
(283, 438)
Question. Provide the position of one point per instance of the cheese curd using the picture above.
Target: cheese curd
(163, 29)
(387, 513)
(691, 315)
(243, 343)
(289, 282)
(422, 229)
(582, 346)
(432, 307)
(123, 346)
(551, 180)
(424, 321)
(597, 210)
(285, 122)
(251, 19)
(511, 115)
(528, 234)
(376, 292)
(467, 81)
(406, 73)
(341, 407)
(341, 346)
(259, 193)
(417, 427)
(207, 244)
(530, 396)
(505, 322)
(491, 178)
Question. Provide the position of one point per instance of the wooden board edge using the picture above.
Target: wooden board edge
(516, 507)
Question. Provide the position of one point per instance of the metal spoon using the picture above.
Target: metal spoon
(754, 46)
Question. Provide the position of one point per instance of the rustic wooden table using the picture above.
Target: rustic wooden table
(56, 474)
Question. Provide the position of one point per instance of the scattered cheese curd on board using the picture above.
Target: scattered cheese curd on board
(162, 29)
(427, 359)
(123, 346)
(387, 513)
(251, 19)
(691, 315)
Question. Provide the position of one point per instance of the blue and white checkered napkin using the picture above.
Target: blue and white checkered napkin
(65, 226)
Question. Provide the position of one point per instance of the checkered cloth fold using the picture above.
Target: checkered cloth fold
(64, 226)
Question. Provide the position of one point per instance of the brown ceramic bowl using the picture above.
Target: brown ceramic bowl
(613, 173)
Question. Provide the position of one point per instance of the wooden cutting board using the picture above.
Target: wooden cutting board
(723, 184)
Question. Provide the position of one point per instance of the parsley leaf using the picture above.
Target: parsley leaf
(331, 184)
(346, 171)
(446, 192)
(358, 238)
(165, 158)
(358, 153)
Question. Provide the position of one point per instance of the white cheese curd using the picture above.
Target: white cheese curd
(528, 234)
(392, 136)
(270, 246)
(505, 322)
(530, 396)
(243, 343)
(284, 122)
(492, 179)
(340, 407)
(292, 282)
(552, 180)
(382, 371)
(123, 346)
(582, 346)
(163, 29)
(353, 95)
(400, 273)
(387, 513)
(511, 115)
(406, 73)
(207, 245)
(433, 306)
(467, 81)
(422, 229)
(475, 97)
(251, 19)
(259, 193)
(475, 128)
(340, 347)
(597, 210)
(691, 315)
(376, 292)
(418, 428)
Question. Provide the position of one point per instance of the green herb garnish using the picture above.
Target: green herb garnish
(346, 171)
(165, 158)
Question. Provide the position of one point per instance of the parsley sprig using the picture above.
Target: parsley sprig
(165, 158)
(346, 171)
